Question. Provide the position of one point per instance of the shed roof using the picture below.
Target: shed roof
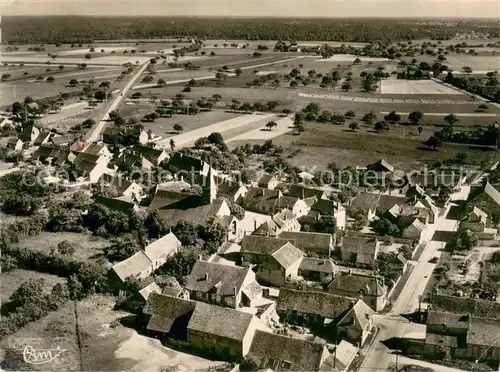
(164, 310)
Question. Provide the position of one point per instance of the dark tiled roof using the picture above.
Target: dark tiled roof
(261, 244)
(163, 198)
(381, 165)
(265, 179)
(121, 184)
(485, 332)
(450, 319)
(94, 149)
(43, 136)
(309, 302)
(301, 192)
(164, 310)
(148, 152)
(303, 355)
(359, 244)
(199, 214)
(307, 240)
(220, 321)
(367, 200)
(324, 206)
(357, 283)
(426, 180)
(318, 264)
(260, 195)
(186, 162)
(221, 279)
(147, 290)
(115, 203)
(61, 140)
(435, 339)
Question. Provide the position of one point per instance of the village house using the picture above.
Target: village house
(188, 167)
(266, 201)
(410, 212)
(53, 155)
(223, 332)
(317, 269)
(415, 192)
(122, 186)
(274, 352)
(100, 150)
(381, 166)
(143, 263)
(43, 138)
(14, 144)
(154, 156)
(224, 285)
(373, 204)
(414, 230)
(313, 244)
(361, 250)
(268, 181)
(91, 166)
(61, 141)
(357, 324)
(476, 220)
(123, 204)
(230, 189)
(275, 259)
(130, 135)
(432, 181)
(302, 192)
(370, 289)
(464, 337)
(278, 223)
(485, 197)
(341, 358)
(136, 302)
(320, 208)
(29, 134)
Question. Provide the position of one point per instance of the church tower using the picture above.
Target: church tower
(209, 193)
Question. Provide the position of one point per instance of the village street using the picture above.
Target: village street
(392, 325)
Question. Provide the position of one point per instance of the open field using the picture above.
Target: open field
(105, 345)
(238, 123)
(87, 247)
(395, 86)
(284, 125)
(111, 60)
(351, 58)
(477, 63)
(12, 280)
(322, 144)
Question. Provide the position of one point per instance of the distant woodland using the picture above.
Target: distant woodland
(23, 30)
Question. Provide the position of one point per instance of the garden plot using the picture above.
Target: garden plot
(398, 86)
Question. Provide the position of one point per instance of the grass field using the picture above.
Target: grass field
(87, 247)
(322, 144)
(12, 280)
(105, 345)
(394, 86)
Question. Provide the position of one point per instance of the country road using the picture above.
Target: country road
(94, 133)
(392, 325)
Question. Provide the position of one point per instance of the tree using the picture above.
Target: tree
(326, 224)
(420, 129)
(433, 142)
(216, 139)
(122, 247)
(415, 117)
(467, 69)
(357, 61)
(214, 233)
(451, 119)
(186, 232)
(466, 240)
(75, 288)
(172, 144)
(100, 95)
(161, 82)
(293, 84)
(88, 56)
(270, 125)
(299, 127)
(237, 211)
(350, 115)
(381, 126)
(346, 87)
(369, 118)
(178, 128)
(354, 126)
(238, 71)
(461, 157)
(384, 227)
(61, 67)
(392, 117)
(50, 79)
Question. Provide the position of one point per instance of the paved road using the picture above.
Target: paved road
(95, 132)
(378, 356)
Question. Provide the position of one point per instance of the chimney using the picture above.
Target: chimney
(235, 291)
(263, 192)
(350, 272)
(206, 276)
(367, 289)
(200, 258)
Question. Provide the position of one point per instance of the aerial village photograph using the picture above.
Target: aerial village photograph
(261, 185)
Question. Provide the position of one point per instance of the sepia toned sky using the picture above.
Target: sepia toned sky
(259, 8)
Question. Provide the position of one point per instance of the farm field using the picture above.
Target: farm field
(322, 144)
(106, 345)
(477, 63)
(395, 86)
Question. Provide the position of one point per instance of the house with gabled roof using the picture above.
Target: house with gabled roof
(224, 285)
(321, 208)
(230, 189)
(312, 243)
(224, 332)
(14, 144)
(314, 309)
(303, 192)
(137, 266)
(414, 230)
(376, 203)
(122, 186)
(341, 358)
(381, 165)
(154, 156)
(281, 221)
(275, 259)
(357, 324)
(159, 250)
(168, 315)
(42, 138)
(98, 149)
(415, 191)
(91, 166)
(476, 220)
(136, 134)
(268, 181)
(61, 141)
(122, 204)
(29, 134)
(371, 289)
(275, 352)
(486, 198)
(360, 249)
(317, 269)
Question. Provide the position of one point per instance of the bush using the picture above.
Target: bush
(21, 204)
